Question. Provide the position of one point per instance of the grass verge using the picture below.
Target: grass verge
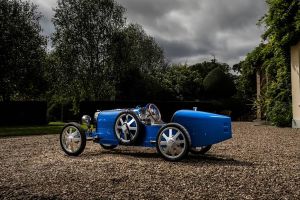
(51, 128)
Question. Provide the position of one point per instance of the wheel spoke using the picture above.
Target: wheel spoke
(131, 121)
(67, 143)
(172, 151)
(176, 135)
(77, 139)
(170, 133)
(168, 150)
(133, 128)
(125, 135)
(164, 135)
(163, 143)
(119, 127)
(180, 142)
(130, 135)
(72, 146)
(74, 134)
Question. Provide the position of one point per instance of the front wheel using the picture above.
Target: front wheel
(200, 150)
(72, 139)
(173, 142)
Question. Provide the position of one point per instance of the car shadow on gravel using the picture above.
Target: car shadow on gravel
(217, 160)
(190, 159)
(131, 153)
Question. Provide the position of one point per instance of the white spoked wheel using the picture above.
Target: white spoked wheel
(127, 128)
(173, 142)
(72, 140)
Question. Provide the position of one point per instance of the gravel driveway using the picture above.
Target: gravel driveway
(260, 162)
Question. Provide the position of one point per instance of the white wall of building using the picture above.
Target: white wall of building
(295, 76)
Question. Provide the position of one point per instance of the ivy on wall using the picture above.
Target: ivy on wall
(272, 59)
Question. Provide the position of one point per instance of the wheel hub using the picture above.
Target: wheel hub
(171, 142)
(70, 138)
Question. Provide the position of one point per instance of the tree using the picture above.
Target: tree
(137, 61)
(22, 51)
(83, 33)
(246, 81)
(187, 82)
(205, 67)
(218, 84)
(183, 83)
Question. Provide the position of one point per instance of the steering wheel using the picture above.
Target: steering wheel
(153, 112)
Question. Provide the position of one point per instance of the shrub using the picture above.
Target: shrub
(218, 84)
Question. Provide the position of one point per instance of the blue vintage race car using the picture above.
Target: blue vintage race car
(189, 131)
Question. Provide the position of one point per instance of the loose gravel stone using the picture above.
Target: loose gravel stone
(259, 162)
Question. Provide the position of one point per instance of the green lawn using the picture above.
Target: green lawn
(51, 128)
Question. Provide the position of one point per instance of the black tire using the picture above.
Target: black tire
(108, 146)
(185, 135)
(134, 138)
(201, 151)
(82, 137)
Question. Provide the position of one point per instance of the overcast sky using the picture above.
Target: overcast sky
(191, 30)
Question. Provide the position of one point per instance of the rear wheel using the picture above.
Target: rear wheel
(72, 139)
(127, 128)
(200, 150)
(173, 142)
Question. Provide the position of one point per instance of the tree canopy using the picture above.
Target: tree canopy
(22, 51)
(188, 82)
(98, 56)
(218, 84)
(83, 33)
(137, 60)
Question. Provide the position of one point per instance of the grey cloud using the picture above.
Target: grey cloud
(238, 13)
(191, 30)
(148, 10)
(182, 49)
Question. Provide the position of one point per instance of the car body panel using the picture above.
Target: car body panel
(204, 128)
(150, 133)
(105, 129)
